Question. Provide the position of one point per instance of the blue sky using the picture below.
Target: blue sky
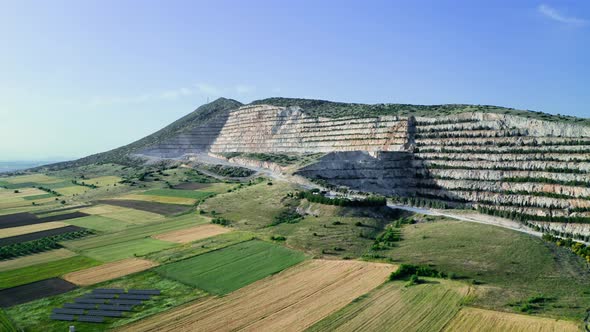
(81, 77)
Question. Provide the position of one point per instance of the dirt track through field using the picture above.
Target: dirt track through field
(474, 319)
(108, 271)
(289, 301)
(192, 234)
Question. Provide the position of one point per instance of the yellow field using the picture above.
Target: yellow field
(102, 181)
(14, 231)
(192, 234)
(44, 257)
(9, 193)
(37, 178)
(288, 301)
(9, 199)
(160, 199)
(123, 214)
(108, 271)
(70, 191)
(473, 319)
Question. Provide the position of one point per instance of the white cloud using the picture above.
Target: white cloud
(555, 15)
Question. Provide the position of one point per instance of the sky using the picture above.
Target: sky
(82, 77)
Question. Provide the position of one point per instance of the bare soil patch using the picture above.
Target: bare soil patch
(15, 231)
(159, 208)
(36, 290)
(192, 234)
(288, 301)
(17, 220)
(39, 235)
(108, 271)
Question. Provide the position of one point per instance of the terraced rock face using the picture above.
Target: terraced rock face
(514, 166)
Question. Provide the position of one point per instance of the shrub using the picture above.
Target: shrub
(406, 270)
(221, 221)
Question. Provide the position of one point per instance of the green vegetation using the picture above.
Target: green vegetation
(277, 158)
(229, 171)
(287, 216)
(38, 272)
(35, 246)
(99, 223)
(41, 196)
(407, 270)
(233, 267)
(578, 248)
(178, 193)
(6, 324)
(34, 316)
(512, 266)
(221, 221)
(130, 248)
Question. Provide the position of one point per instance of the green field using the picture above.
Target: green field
(137, 232)
(200, 247)
(6, 324)
(510, 266)
(99, 223)
(195, 194)
(34, 316)
(44, 271)
(34, 259)
(225, 270)
(34, 197)
(120, 250)
(424, 307)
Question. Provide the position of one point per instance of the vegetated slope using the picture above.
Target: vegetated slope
(122, 155)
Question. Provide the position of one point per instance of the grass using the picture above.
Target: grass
(6, 324)
(137, 232)
(120, 250)
(40, 258)
(428, 306)
(101, 224)
(32, 178)
(72, 190)
(127, 215)
(511, 266)
(200, 247)
(35, 197)
(225, 270)
(102, 181)
(196, 194)
(34, 316)
(38, 272)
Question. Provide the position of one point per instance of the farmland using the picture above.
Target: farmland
(39, 235)
(34, 316)
(108, 271)
(230, 268)
(102, 181)
(98, 223)
(40, 258)
(310, 291)
(130, 248)
(473, 319)
(154, 207)
(178, 193)
(158, 199)
(15, 231)
(424, 307)
(126, 215)
(42, 271)
(33, 291)
(191, 234)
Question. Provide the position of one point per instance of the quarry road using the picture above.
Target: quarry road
(470, 217)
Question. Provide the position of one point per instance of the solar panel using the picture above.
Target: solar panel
(91, 319)
(100, 296)
(130, 302)
(68, 311)
(79, 305)
(134, 297)
(105, 313)
(109, 290)
(114, 307)
(144, 291)
(68, 318)
(85, 300)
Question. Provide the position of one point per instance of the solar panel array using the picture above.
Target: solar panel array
(102, 302)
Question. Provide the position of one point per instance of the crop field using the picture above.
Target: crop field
(230, 268)
(102, 181)
(38, 235)
(473, 319)
(72, 190)
(159, 199)
(32, 178)
(24, 198)
(33, 291)
(40, 258)
(109, 271)
(511, 266)
(393, 307)
(34, 315)
(159, 208)
(38, 272)
(136, 233)
(37, 197)
(288, 301)
(191, 186)
(15, 231)
(127, 215)
(192, 234)
(6, 324)
(197, 194)
(121, 250)
(99, 223)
